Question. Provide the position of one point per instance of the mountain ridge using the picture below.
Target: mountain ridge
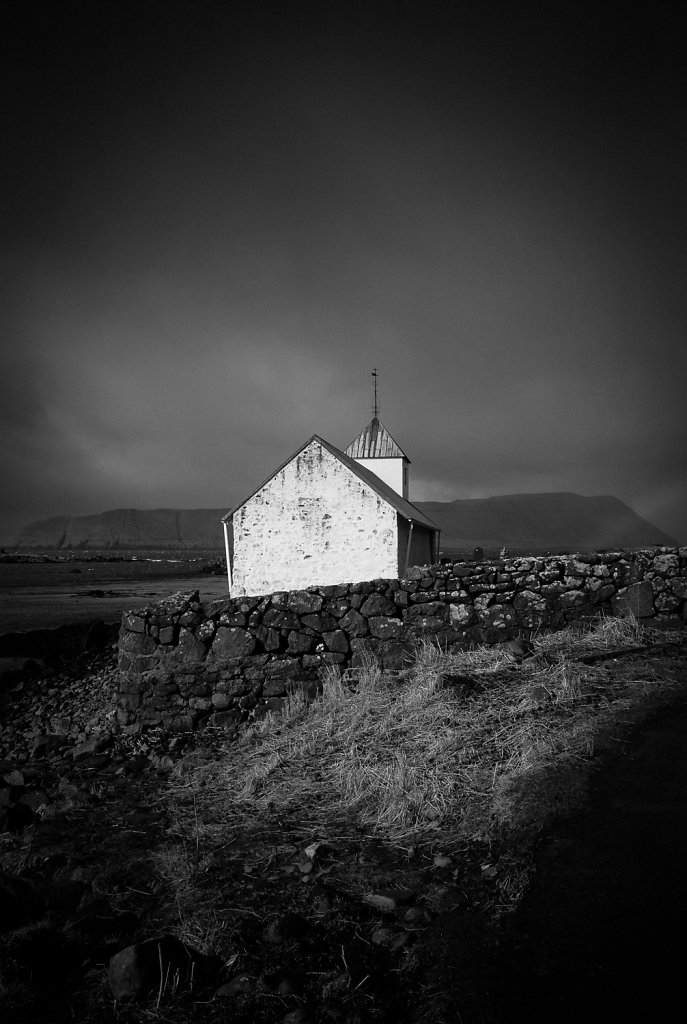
(540, 521)
(543, 521)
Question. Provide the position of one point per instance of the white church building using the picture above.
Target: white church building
(326, 517)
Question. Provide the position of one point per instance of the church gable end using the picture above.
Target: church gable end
(313, 521)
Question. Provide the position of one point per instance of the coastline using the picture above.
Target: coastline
(35, 595)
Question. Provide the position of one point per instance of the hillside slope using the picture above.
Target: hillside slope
(532, 521)
(542, 521)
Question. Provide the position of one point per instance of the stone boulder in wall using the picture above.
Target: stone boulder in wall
(530, 608)
(637, 600)
(189, 651)
(277, 618)
(385, 628)
(231, 642)
(376, 605)
(430, 609)
(666, 565)
(462, 615)
(302, 602)
(353, 623)
(498, 622)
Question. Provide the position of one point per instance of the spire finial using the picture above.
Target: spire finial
(376, 406)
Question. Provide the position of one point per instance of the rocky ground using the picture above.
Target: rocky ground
(84, 909)
(79, 809)
(91, 905)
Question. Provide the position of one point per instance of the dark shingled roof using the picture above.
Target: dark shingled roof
(375, 442)
(403, 507)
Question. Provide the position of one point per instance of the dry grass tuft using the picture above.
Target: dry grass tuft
(609, 633)
(409, 759)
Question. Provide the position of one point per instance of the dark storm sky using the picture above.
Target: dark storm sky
(215, 224)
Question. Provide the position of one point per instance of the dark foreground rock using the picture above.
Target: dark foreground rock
(147, 967)
(54, 646)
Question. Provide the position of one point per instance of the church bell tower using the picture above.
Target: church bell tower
(376, 450)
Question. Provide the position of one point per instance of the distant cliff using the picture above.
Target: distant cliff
(536, 522)
(128, 528)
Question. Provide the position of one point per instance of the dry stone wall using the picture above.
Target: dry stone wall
(183, 663)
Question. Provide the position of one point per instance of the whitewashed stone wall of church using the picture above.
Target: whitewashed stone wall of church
(313, 523)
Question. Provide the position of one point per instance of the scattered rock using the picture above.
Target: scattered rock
(417, 916)
(16, 817)
(240, 985)
(389, 900)
(289, 928)
(283, 982)
(519, 649)
(337, 986)
(20, 902)
(138, 970)
(449, 897)
(441, 861)
(297, 1016)
(94, 745)
(400, 941)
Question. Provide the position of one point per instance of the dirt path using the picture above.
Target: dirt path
(600, 935)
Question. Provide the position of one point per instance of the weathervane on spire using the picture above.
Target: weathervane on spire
(376, 407)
